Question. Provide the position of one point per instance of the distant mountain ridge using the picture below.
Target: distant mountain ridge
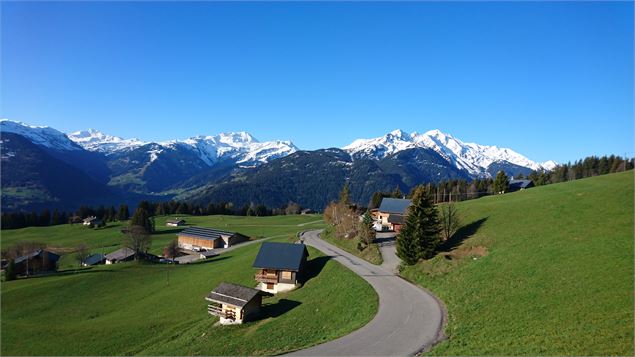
(235, 166)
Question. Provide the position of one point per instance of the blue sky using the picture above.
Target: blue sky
(550, 80)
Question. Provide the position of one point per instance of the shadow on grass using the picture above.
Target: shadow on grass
(313, 268)
(461, 235)
(281, 307)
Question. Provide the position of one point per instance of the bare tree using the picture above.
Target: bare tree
(81, 253)
(450, 222)
(172, 249)
(292, 208)
(137, 239)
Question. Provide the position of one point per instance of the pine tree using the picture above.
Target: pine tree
(396, 193)
(123, 214)
(345, 194)
(501, 183)
(419, 237)
(10, 272)
(142, 219)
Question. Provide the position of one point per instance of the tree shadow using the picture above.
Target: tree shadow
(281, 307)
(313, 268)
(167, 231)
(461, 235)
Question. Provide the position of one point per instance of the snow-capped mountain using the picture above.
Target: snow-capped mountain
(39, 135)
(474, 158)
(95, 140)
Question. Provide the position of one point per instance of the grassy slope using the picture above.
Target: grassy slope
(128, 308)
(109, 238)
(557, 277)
(370, 254)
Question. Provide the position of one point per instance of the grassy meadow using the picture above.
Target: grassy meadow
(370, 254)
(67, 237)
(152, 309)
(545, 271)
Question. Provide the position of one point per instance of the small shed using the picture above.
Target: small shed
(200, 238)
(175, 222)
(94, 259)
(392, 206)
(396, 221)
(234, 304)
(120, 255)
(93, 220)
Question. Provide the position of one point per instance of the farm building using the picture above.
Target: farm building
(234, 303)
(91, 221)
(190, 258)
(120, 255)
(175, 222)
(392, 206)
(279, 266)
(395, 222)
(94, 259)
(199, 238)
(307, 211)
(517, 185)
(38, 261)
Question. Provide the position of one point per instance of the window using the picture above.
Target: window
(286, 275)
(269, 286)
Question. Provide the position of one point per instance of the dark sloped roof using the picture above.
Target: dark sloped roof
(35, 253)
(394, 205)
(204, 233)
(396, 218)
(281, 256)
(233, 294)
(120, 254)
(94, 259)
(175, 221)
(520, 183)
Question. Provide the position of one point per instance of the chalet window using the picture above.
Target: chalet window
(286, 275)
(269, 285)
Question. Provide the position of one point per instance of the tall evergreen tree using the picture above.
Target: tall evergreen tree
(419, 237)
(501, 183)
(345, 194)
(141, 218)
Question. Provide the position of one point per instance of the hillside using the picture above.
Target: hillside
(546, 271)
(155, 309)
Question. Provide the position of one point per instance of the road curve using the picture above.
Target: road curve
(409, 319)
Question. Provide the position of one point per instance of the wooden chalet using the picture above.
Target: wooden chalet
(279, 266)
(392, 206)
(36, 262)
(94, 259)
(234, 304)
(199, 238)
(120, 255)
(517, 185)
(93, 220)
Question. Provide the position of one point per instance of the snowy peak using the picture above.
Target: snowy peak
(39, 135)
(95, 140)
(473, 158)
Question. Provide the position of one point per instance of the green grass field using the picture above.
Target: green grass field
(109, 238)
(546, 271)
(370, 254)
(129, 308)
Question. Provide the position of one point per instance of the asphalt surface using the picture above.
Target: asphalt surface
(408, 321)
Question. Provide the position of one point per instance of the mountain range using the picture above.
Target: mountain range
(43, 167)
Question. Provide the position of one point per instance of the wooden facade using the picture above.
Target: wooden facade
(191, 243)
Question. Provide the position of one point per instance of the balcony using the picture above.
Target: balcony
(267, 278)
(218, 311)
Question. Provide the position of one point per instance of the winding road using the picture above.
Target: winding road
(409, 319)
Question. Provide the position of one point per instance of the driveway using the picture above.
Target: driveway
(409, 319)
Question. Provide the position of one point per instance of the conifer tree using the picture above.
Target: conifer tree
(141, 218)
(501, 183)
(419, 237)
(345, 194)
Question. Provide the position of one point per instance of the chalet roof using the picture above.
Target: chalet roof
(281, 256)
(518, 184)
(90, 219)
(232, 294)
(396, 218)
(208, 253)
(394, 205)
(176, 221)
(36, 253)
(94, 259)
(204, 233)
(120, 254)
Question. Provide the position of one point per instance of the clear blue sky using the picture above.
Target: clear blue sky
(550, 80)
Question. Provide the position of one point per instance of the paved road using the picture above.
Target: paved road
(386, 242)
(409, 319)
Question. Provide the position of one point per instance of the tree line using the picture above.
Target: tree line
(14, 220)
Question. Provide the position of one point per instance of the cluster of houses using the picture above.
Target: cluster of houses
(279, 268)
